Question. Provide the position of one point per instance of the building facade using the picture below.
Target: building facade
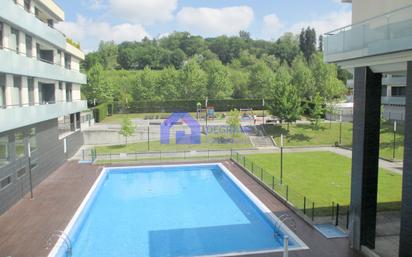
(378, 48)
(40, 102)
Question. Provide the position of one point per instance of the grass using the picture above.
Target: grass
(328, 134)
(241, 142)
(325, 177)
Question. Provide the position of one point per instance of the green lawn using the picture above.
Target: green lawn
(241, 142)
(324, 177)
(328, 134)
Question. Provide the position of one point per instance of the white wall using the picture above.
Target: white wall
(365, 9)
(76, 92)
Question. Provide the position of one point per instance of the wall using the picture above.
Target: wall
(47, 158)
(365, 9)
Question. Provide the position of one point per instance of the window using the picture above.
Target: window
(29, 46)
(398, 91)
(30, 83)
(5, 182)
(68, 92)
(4, 150)
(16, 95)
(27, 5)
(2, 90)
(32, 139)
(67, 61)
(19, 142)
(14, 40)
(1, 35)
(21, 173)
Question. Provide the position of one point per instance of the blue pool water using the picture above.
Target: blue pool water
(172, 211)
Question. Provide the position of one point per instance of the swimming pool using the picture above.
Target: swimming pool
(184, 210)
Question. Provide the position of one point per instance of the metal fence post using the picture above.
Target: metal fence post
(333, 210)
(304, 205)
(261, 175)
(313, 211)
(337, 215)
(273, 183)
(252, 166)
(287, 192)
(83, 155)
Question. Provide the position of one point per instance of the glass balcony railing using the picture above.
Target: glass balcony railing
(393, 100)
(16, 117)
(390, 32)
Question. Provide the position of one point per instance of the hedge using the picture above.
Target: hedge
(101, 111)
(220, 105)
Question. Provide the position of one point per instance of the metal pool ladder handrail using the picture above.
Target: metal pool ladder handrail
(66, 240)
(286, 218)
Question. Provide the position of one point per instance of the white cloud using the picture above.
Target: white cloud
(89, 32)
(325, 23)
(144, 11)
(214, 22)
(272, 26)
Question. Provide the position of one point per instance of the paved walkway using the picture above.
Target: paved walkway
(26, 227)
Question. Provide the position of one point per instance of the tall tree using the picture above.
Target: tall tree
(128, 128)
(219, 85)
(286, 48)
(193, 81)
(302, 78)
(108, 52)
(286, 104)
(261, 80)
(97, 88)
(307, 42)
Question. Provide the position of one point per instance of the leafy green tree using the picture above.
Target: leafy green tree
(317, 110)
(307, 42)
(97, 88)
(240, 82)
(302, 78)
(219, 85)
(177, 58)
(91, 59)
(193, 81)
(233, 120)
(286, 48)
(168, 84)
(128, 128)
(148, 84)
(286, 104)
(327, 82)
(108, 52)
(261, 80)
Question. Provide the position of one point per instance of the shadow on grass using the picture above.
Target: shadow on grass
(299, 137)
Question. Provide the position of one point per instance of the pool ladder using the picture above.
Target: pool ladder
(66, 240)
(286, 220)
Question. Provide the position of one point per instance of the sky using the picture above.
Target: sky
(91, 21)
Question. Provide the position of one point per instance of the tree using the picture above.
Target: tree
(219, 85)
(233, 120)
(317, 110)
(261, 80)
(286, 48)
(108, 52)
(332, 110)
(193, 81)
(302, 78)
(128, 128)
(286, 104)
(97, 88)
(168, 83)
(307, 42)
(320, 49)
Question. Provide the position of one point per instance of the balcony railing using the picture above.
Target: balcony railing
(16, 15)
(387, 33)
(16, 117)
(394, 100)
(19, 63)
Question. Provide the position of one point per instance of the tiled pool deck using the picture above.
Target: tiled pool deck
(26, 228)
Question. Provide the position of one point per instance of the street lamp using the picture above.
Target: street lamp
(340, 128)
(281, 158)
(394, 139)
(30, 175)
(263, 105)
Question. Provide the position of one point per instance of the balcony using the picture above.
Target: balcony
(17, 16)
(31, 67)
(387, 33)
(17, 117)
(394, 81)
(393, 100)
